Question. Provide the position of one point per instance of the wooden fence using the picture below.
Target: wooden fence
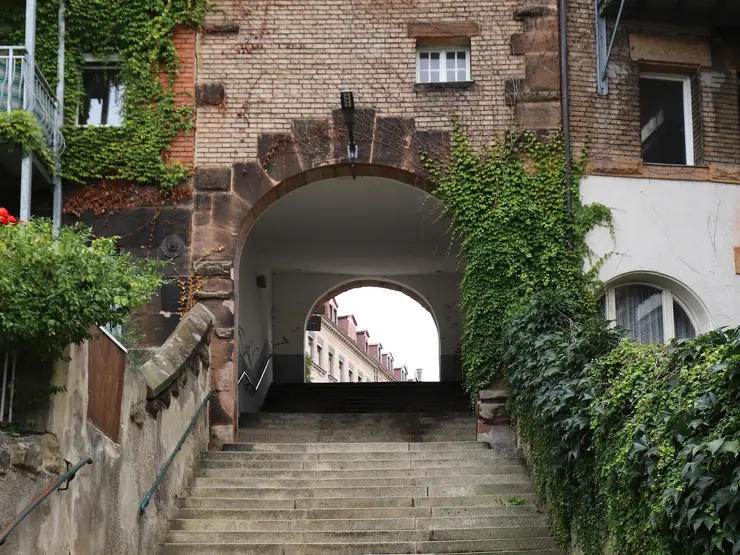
(106, 364)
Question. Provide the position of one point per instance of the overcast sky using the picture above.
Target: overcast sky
(399, 323)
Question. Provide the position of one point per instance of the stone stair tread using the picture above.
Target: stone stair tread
(282, 549)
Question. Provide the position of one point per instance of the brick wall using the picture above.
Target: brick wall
(611, 123)
(288, 61)
(183, 147)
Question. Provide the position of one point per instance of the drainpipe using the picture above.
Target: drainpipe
(29, 102)
(57, 210)
(565, 113)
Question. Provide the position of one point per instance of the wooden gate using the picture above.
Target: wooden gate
(106, 362)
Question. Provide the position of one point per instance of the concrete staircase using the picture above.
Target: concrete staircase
(347, 484)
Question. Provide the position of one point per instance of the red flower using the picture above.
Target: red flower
(3, 213)
(12, 220)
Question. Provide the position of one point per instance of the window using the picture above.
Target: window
(359, 378)
(351, 376)
(102, 97)
(331, 362)
(310, 346)
(666, 121)
(341, 369)
(319, 351)
(435, 65)
(649, 314)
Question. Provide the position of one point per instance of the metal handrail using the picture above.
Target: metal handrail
(262, 375)
(160, 476)
(66, 477)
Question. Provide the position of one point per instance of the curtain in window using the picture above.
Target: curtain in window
(640, 311)
(684, 327)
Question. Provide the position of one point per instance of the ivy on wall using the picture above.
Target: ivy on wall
(139, 33)
(21, 128)
(507, 206)
(634, 448)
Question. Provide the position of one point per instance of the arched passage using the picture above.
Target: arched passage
(321, 230)
(358, 340)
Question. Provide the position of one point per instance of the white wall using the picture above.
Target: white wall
(673, 230)
(254, 326)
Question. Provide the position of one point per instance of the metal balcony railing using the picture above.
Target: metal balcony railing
(44, 104)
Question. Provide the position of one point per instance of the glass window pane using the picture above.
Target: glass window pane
(434, 76)
(450, 56)
(662, 121)
(115, 105)
(461, 55)
(423, 61)
(640, 311)
(434, 60)
(462, 75)
(424, 76)
(451, 75)
(682, 322)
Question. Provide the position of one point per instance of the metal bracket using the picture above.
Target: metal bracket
(66, 484)
(603, 53)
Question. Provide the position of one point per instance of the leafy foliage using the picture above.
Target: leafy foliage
(20, 128)
(633, 446)
(507, 206)
(140, 33)
(55, 285)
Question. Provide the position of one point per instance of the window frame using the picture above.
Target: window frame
(443, 50)
(92, 62)
(667, 298)
(688, 117)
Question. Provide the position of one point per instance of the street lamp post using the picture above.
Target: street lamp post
(348, 114)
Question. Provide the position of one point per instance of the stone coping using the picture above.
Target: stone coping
(171, 359)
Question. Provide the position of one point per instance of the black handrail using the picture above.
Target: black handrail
(160, 476)
(262, 375)
(66, 477)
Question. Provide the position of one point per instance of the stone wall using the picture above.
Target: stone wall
(99, 514)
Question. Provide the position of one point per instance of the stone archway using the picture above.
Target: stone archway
(229, 200)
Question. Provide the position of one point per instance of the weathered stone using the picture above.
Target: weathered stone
(724, 174)
(542, 72)
(229, 212)
(534, 41)
(250, 182)
(214, 244)
(391, 143)
(535, 9)
(278, 157)
(435, 144)
(225, 29)
(203, 203)
(225, 333)
(213, 179)
(53, 463)
(538, 115)
(26, 456)
(443, 29)
(172, 220)
(138, 413)
(210, 95)
(213, 267)
(314, 143)
(170, 360)
(222, 310)
(364, 128)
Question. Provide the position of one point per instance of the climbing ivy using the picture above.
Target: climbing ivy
(506, 204)
(21, 128)
(140, 33)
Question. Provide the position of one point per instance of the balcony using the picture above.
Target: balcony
(12, 93)
(710, 13)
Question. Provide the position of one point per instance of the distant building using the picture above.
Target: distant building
(342, 353)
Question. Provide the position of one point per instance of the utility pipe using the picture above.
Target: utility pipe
(57, 210)
(565, 114)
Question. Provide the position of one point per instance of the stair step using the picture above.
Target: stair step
(377, 464)
(513, 534)
(210, 508)
(329, 482)
(457, 455)
(227, 522)
(529, 546)
(385, 447)
(363, 472)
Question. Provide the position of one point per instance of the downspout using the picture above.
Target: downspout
(28, 105)
(57, 210)
(565, 113)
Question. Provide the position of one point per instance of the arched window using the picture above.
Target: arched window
(650, 314)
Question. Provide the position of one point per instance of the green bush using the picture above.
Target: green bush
(55, 286)
(633, 446)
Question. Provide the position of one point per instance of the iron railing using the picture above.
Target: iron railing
(160, 476)
(67, 477)
(262, 375)
(43, 105)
